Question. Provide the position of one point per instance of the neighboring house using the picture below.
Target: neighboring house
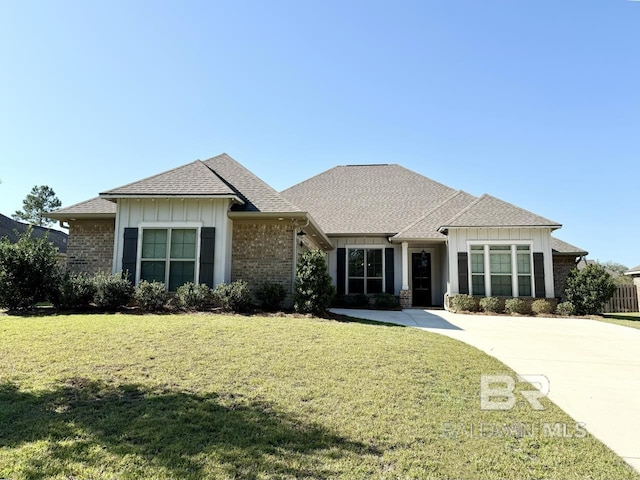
(635, 273)
(12, 229)
(384, 229)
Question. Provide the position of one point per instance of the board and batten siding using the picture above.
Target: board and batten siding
(132, 212)
(459, 238)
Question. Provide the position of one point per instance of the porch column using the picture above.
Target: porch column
(405, 266)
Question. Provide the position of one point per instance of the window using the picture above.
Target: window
(168, 256)
(500, 267)
(505, 270)
(477, 270)
(365, 270)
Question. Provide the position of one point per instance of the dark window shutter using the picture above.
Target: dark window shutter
(207, 247)
(341, 271)
(388, 271)
(538, 274)
(130, 252)
(463, 273)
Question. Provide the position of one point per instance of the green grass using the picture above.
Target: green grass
(203, 396)
(630, 319)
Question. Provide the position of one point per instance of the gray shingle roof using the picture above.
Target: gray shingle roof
(561, 247)
(257, 195)
(93, 207)
(192, 179)
(488, 211)
(12, 229)
(633, 271)
(367, 198)
(426, 227)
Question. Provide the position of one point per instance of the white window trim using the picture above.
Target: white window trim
(514, 264)
(365, 247)
(167, 226)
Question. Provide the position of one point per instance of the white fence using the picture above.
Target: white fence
(624, 300)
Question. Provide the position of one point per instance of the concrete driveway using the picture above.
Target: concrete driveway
(593, 367)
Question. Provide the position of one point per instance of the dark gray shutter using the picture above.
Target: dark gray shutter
(463, 272)
(207, 249)
(388, 271)
(130, 252)
(341, 273)
(538, 274)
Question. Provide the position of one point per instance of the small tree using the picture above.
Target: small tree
(314, 291)
(589, 289)
(29, 271)
(41, 200)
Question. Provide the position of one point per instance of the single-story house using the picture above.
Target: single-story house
(12, 229)
(635, 273)
(384, 229)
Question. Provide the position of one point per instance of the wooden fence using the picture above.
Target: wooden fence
(624, 300)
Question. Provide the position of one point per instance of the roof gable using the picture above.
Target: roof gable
(256, 194)
(426, 227)
(356, 199)
(488, 211)
(192, 179)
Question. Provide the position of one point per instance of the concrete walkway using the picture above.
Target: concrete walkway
(593, 367)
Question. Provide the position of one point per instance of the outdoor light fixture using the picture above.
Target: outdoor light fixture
(301, 233)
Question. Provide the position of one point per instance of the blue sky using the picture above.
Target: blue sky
(537, 103)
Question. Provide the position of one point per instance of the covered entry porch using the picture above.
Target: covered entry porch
(424, 274)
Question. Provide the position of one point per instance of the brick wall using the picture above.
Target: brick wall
(90, 246)
(263, 252)
(562, 265)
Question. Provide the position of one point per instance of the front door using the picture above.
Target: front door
(421, 279)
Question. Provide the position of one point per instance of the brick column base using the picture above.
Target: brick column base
(406, 300)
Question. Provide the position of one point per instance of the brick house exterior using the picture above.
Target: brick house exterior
(384, 229)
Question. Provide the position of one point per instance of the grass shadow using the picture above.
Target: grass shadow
(175, 431)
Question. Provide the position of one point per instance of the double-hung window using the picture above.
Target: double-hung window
(365, 270)
(169, 256)
(501, 270)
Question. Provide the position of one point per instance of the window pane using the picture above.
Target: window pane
(154, 243)
(356, 263)
(180, 273)
(501, 285)
(151, 271)
(374, 286)
(183, 243)
(374, 264)
(477, 285)
(356, 285)
(524, 285)
(477, 263)
(477, 247)
(500, 262)
(524, 263)
(499, 248)
(523, 247)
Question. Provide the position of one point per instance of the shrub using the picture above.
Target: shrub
(75, 291)
(112, 291)
(492, 305)
(386, 301)
(271, 295)
(314, 291)
(29, 271)
(516, 305)
(464, 303)
(566, 309)
(353, 300)
(589, 289)
(232, 297)
(542, 307)
(192, 296)
(151, 296)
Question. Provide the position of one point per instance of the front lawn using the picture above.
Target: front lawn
(630, 319)
(205, 396)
